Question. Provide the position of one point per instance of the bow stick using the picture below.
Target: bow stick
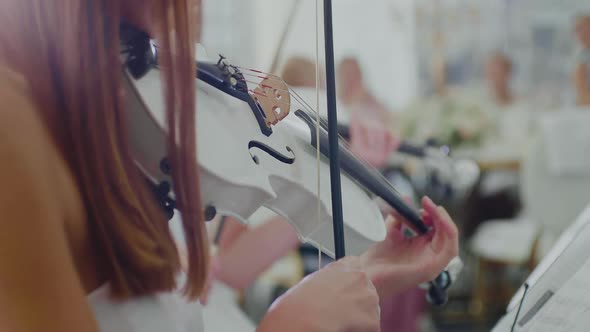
(335, 184)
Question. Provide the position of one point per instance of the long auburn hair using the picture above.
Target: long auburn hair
(68, 51)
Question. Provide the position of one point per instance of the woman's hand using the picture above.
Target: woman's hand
(399, 263)
(337, 298)
(371, 139)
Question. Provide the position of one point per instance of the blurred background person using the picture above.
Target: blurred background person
(581, 76)
(300, 71)
(508, 133)
(498, 74)
(371, 135)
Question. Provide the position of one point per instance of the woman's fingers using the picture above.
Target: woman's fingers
(436, 214)
(429, 207)
(426, 218)
(394, 229)
(439, 238)
(445, 231)
(451, 232)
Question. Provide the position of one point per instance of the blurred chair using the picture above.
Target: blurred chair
(555, 187)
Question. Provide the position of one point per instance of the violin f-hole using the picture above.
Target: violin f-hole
(272, 152)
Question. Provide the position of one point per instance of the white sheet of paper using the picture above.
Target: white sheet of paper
(576, 231)
(568, 309)
(566, 259)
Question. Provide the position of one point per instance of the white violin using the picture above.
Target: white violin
(259, 145)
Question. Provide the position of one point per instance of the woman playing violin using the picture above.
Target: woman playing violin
(83, 244)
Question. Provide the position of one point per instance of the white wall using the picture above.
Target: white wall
(381, 33)
(228, 28)
(378, 32)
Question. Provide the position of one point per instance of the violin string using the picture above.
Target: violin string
(263, 77)
(258, 72)
(295, 96)
(346, 147)
(317, 128)
(291, 93)
(289, 90)
(308, 110)
(263, 94)
(344, 143)
(313, 113)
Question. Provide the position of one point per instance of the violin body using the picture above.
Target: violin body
(246, 165)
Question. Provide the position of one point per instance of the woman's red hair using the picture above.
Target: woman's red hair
(68, 51)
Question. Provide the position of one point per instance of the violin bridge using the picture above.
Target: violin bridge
(272, 94)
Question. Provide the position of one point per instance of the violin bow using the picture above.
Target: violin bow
(279, 51)
(335, 181)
